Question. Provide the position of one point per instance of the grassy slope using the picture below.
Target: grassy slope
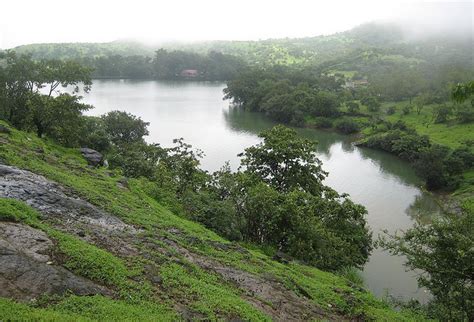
(203, 291)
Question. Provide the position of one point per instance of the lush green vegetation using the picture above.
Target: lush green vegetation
(115, 61)
(182, 280)
(443, 252)
(278, 202)
(396, 93)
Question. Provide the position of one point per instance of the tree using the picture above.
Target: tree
(124, 128)
(420, 102)
(391, 110)
(373, 105)
(285, 205)
(57, 117)
(285, 161)
(55, 73)
(443, 251)
(353, 107)
(441, 113)
(21, 76)
(462, 91)
(406, 109)
(347, 126)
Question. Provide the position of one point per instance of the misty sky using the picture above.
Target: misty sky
(24, 22)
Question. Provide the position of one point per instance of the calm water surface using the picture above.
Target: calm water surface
(385, 185)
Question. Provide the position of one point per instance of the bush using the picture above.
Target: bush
(442, 113)
(465, 114)
(353, 107)
(323, 123)
(391, 110)
(347, 126)
(407, 109)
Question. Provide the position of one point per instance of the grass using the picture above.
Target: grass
(211, 295)
(86, 308)
(451, 134)
(200, 290)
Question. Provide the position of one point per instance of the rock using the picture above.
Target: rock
(39, 150)
(4, 129)
(26, 270)
(32, 242)
(73, 215)
(282, 257)
(93, 157)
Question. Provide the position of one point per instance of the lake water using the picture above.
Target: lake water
(385, 185)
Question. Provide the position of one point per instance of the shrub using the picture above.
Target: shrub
(407, 109)
(323, 123)
(347, 126)
(391, 110)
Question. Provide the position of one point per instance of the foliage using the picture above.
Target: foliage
(323, 123)
(124, 128)
(373, 105)
(407, 109)
(442, 113)
(56, 117)
(391, 110)
(353, 107)
(284, 94)
(285, 161)
(136, 207)
(462, 91)
(286, 205)
(23, 105)
(443, 251)
(347, 126)
(440, 166)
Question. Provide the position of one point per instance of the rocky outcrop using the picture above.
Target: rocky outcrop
(74, 215)
(93, 157)
(27, 270)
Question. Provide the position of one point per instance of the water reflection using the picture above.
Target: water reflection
(424, 208)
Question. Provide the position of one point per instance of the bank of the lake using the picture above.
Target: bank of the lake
(384, 184)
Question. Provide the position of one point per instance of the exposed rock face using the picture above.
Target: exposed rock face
(70, 214)
(26, 270)
(93, 157)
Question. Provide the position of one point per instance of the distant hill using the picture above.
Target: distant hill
(81, 50)
(355, 50)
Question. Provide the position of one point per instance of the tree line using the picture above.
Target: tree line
(165, 65)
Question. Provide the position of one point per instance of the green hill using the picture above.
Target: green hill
(142, 262)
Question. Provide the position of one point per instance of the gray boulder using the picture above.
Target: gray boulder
(4, 129)
(27, 271)
(93, 157)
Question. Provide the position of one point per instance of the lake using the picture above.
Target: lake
(384, 184)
